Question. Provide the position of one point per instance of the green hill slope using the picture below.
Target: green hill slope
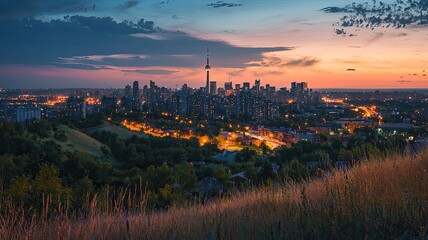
(121, 132)
(79, 141)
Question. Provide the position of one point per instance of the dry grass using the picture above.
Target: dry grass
(375, 200)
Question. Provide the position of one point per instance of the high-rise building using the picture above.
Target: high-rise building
(128, 91)
(25, 114)
(135, 90)
(237, 87)
(213, 87)
(246, 86)
(297, 88)
(293, 88)
(228, 86)
(152, 84)
(76, 107)
(257, 86)
(109, 104)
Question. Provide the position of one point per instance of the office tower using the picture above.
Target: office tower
(76, 107)
(128, 91)
(228, 88)
(304, 86)
(136, 90)
(213, 87)
(152, 84)
(237, 87)
(108, 104)
(293, 88)
(257, 86)
(25, 114)
(246, 86)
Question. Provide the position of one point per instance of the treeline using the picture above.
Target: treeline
(34, 169)
(305, 159)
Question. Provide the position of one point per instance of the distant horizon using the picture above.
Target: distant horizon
(288, 88)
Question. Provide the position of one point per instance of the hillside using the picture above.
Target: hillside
(381, 199)
(121, 132)
(79, 141)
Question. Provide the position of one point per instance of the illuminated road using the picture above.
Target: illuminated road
(368, 111)
(272, 143)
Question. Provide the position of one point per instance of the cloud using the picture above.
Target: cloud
(230, 31)
(272, 61)
(335, 10)
(128, 4)
(267, 73)
(99, 42)
(398, 14)
(220, 4)
(375, 38)
(32, 8)
(236, 72)
(403, 81)
(151, 71)
(351, 70)
(303, 62)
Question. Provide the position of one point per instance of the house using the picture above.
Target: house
(239, 179)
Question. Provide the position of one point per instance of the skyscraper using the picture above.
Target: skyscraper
(135, 90)
(128, 91)
(257, 86)
(246, 86)
(213, 87)
(228, 86)
(207, 69)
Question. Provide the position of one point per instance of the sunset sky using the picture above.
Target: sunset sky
(277, 41)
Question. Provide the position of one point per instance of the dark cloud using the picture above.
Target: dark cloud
(351, 70)
(335, 10)
(303, 62)
(220, 4)
(164, 2)
(32, 8)
(403, 81)
(128, 4)
(151, 71)
(279, 62)
(340, 32)
(230, 31)
(86, 42)
(397, 14)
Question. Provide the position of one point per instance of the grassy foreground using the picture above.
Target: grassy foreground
(380, 199)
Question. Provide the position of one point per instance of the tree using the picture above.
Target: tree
(185, 175)
(20, 189)
(296, 171)
(83, 190)
(47, 183)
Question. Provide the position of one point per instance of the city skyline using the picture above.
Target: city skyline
(76, 44)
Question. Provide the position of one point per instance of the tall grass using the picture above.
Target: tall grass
(378, 199)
